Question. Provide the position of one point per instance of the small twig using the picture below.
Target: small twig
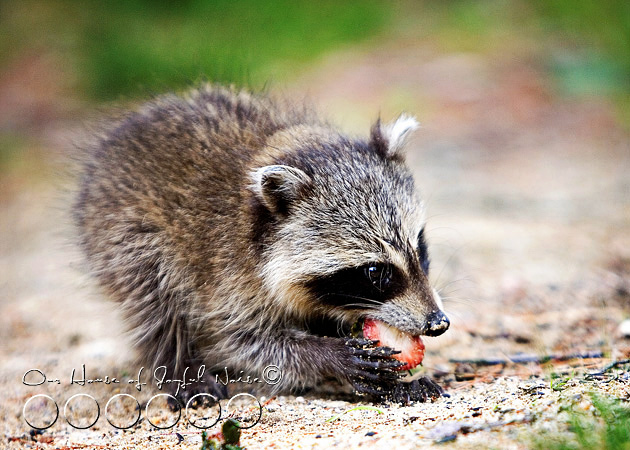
(268, 401)
(524, 359)
(609, 367)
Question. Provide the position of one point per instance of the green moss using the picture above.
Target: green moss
(605, 427)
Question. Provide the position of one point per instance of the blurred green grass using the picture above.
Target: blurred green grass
(592, 48)
(130, 47)
(121, 47)
(95, 51)
(604, 427)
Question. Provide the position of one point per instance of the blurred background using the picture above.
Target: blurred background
(523, 156)
(57, 56)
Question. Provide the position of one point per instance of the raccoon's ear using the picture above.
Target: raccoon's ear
(277, 186)
(390, 139)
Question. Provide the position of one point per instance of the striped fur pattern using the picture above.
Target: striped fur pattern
(216, 220)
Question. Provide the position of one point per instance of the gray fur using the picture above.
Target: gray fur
(206, 216)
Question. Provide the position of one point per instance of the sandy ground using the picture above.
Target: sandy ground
(528, 198)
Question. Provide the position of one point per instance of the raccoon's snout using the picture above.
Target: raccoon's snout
(437, 323)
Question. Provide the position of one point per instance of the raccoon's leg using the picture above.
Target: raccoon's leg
(167, 345)
(167, 348)
(155, 299)
(305, 359)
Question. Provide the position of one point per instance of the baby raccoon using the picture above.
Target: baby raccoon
(240, 232)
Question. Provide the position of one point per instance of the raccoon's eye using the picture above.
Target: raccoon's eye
(423, 252)
(380, 275)
(359, 287)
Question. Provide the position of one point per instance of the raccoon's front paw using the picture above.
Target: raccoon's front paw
(371, 369)
(420, 390)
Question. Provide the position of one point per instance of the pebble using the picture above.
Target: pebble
(446, 431)
(624, 328)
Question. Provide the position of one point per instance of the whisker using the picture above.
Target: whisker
(460, 301)
(340, 331)
(459, 280)
(455, 252)
(360, 305)
(450, 293)
(371, 300)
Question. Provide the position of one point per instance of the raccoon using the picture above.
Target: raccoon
(241, 232)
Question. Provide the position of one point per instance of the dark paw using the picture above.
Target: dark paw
(420, 390)
(371, 369)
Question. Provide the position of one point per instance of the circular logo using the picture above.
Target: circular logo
(272, 374)
(200, 415)
(249, 410)
(119, 411)
(157, 418)
(42, 411)
(77, 414)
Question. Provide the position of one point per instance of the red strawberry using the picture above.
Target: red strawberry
(411, 347)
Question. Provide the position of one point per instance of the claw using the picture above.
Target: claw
(387, 351)
(392, 364)
(379, 391)
(378, 352)
(382, 376)
(380, 365)
(420, 390)
(364, 374)
(373, 372)
(360, 342)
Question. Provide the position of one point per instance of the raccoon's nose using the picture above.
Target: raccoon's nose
(437, 323)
